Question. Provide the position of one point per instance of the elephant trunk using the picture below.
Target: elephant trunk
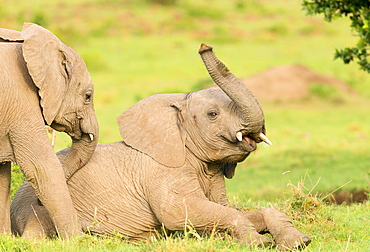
(247, 103)
(82, 149)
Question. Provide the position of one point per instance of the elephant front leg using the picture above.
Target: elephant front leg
(5, 176)
(286, 236)
(44, 172)
(204, 215)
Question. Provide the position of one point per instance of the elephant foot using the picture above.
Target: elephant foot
(261, 241)
(265, 242)
(250, 237)
(293, 240)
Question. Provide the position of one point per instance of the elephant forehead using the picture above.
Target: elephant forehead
(212, 95)
(79, 66)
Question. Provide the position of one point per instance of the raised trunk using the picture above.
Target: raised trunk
(247, 103)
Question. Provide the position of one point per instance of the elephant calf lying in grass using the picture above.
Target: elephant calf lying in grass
(170, 169)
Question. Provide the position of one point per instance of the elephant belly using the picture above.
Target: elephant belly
(109, 196)
(108, 214)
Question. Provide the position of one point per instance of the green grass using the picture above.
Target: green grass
(134, 49)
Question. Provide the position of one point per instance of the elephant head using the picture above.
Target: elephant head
(65, 89)
(216, 125)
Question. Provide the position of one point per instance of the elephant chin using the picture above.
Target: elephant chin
(236, 158)
(75, 134)
(58, 127)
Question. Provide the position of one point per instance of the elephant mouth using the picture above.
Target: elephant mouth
(249, 141)
(74, 134)
(244, 142)
(240, 136)
(80, 135)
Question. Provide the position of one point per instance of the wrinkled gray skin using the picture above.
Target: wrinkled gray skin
(43, 82)
(169, 172)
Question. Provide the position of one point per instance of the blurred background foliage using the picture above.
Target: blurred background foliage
(135, 48)
(358, 12)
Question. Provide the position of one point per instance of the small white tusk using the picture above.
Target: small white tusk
(91, 136)
(265, 139)
(53, 137)
(239, 136)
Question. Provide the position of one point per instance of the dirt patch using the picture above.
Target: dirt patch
(291, 82)
(348, 197)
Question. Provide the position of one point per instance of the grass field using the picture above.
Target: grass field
(135, 48)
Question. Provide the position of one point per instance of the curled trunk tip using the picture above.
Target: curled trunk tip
(204, 47)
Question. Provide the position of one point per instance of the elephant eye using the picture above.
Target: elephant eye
(212, 115)
(88, 96)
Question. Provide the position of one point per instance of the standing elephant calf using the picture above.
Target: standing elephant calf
(43, 81)
(169, 170)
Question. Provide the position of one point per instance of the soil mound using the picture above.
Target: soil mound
(348, 197)
(291, 82)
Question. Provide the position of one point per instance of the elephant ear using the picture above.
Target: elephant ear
(7, 35)
(49, 66)
(152, 127)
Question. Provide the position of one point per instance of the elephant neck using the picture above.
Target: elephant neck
(209, 176)
(199, 166)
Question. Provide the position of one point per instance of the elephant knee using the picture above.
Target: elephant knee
(31, 233)
(173, 223)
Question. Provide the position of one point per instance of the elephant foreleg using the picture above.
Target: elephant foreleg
(5, 176)
(205, 215)
(280, 227)
(44, 172)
